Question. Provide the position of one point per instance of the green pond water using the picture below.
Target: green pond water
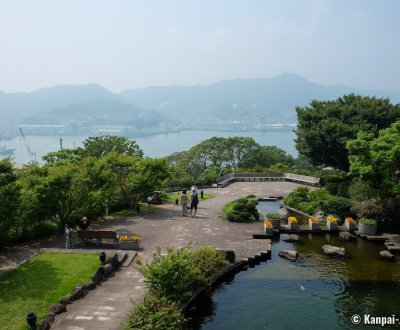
(315, 292)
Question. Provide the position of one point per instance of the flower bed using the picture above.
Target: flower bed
(368, 227)
(292, 223)
(129, 242)
(331, 222)
(349, 224)
(313, 223)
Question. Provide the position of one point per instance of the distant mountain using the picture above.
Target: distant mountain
(273, 99)
(235, 104)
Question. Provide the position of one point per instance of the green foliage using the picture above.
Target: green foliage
(242, 210)
(42, 281)
(272, 216)
(324, 127)
(368, 222)
(319, 199)
(9, 195)
(180, 273)
(100, 146)
(155, 313)
(174, 275)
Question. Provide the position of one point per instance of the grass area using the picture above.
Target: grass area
(144, 208)
(39, 282)
(170, 197)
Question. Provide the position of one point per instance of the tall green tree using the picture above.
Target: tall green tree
(100, 146)
(324, 127)
(9, 195)
(376, 162)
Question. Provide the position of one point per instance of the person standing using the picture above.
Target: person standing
(184, 202)
(67, 235)
(194, 201)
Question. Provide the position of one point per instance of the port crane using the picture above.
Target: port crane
(31, 153)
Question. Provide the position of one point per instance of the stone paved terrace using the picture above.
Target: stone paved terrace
(107, 306)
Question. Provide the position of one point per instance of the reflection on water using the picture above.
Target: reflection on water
(314, 292)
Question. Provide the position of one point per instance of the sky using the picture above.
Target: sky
(125, 44)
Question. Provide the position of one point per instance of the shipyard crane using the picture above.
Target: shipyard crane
(31, 153)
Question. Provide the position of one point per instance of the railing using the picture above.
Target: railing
(290, 177)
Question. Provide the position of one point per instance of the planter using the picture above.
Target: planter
(276, 223)
(313, 225)
(331, 225)
(129, 245)
(268, 230)
(350, 226)
(367, 229)
(293, 225)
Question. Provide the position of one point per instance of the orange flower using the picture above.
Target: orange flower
(292, 219)
(267, 223)
(313, 219)
(349, 219)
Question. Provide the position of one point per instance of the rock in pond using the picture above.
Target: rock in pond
(331, 250)
(347, 236)
(386, 255)
(290, 238)
(289, 254)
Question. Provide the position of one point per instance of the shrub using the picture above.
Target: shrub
(209, 261)
(243, 210)
(338, 205)
(174, 275)
(155, 313)
(273, 215)
(368, 222)
(371, 208)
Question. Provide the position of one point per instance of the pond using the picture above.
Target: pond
(314, 292)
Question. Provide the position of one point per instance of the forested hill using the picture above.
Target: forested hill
(273, 99)
(235, 104)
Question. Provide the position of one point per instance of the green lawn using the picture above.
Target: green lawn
(39, 282)
(170, 197)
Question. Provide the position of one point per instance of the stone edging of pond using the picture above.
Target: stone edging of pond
(111, 265)
(221, 277)
(296, 211)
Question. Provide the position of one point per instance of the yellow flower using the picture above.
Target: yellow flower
(313, 219)
(331, 219)
(267, 223)
(292, 219)
(129, 238)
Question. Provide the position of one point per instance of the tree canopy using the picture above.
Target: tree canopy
(324, 127)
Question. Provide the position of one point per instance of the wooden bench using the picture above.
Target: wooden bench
(98, 235)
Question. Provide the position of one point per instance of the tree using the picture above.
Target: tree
(266, 156)
(8, 198)
(376, 161)
(324, 127)
(238, 149)
(100, 146)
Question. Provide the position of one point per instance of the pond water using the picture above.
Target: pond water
(314, 292)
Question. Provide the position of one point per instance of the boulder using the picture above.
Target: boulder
(98, 276)
(229, 255)
(108, 269)
(289, 254)
(346, 236)
(47, 322)
(113, 261)
(78, 292)
(290, 238)
(57, 308)
(90, 285)
(386, 255)
(331, 250)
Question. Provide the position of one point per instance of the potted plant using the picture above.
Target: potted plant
(331, 222)
(292, 223)
(268, 227)
(275, 219)
(129, 242)
(367, 226)
(313, 223)
(349, 224)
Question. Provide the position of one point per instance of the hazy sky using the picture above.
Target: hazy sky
(124, 44)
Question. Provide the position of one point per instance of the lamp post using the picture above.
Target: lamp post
(31, 319)
(102, 257)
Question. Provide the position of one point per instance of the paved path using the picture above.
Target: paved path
(107, 306)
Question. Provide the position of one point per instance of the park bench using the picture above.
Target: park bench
(98, 235)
